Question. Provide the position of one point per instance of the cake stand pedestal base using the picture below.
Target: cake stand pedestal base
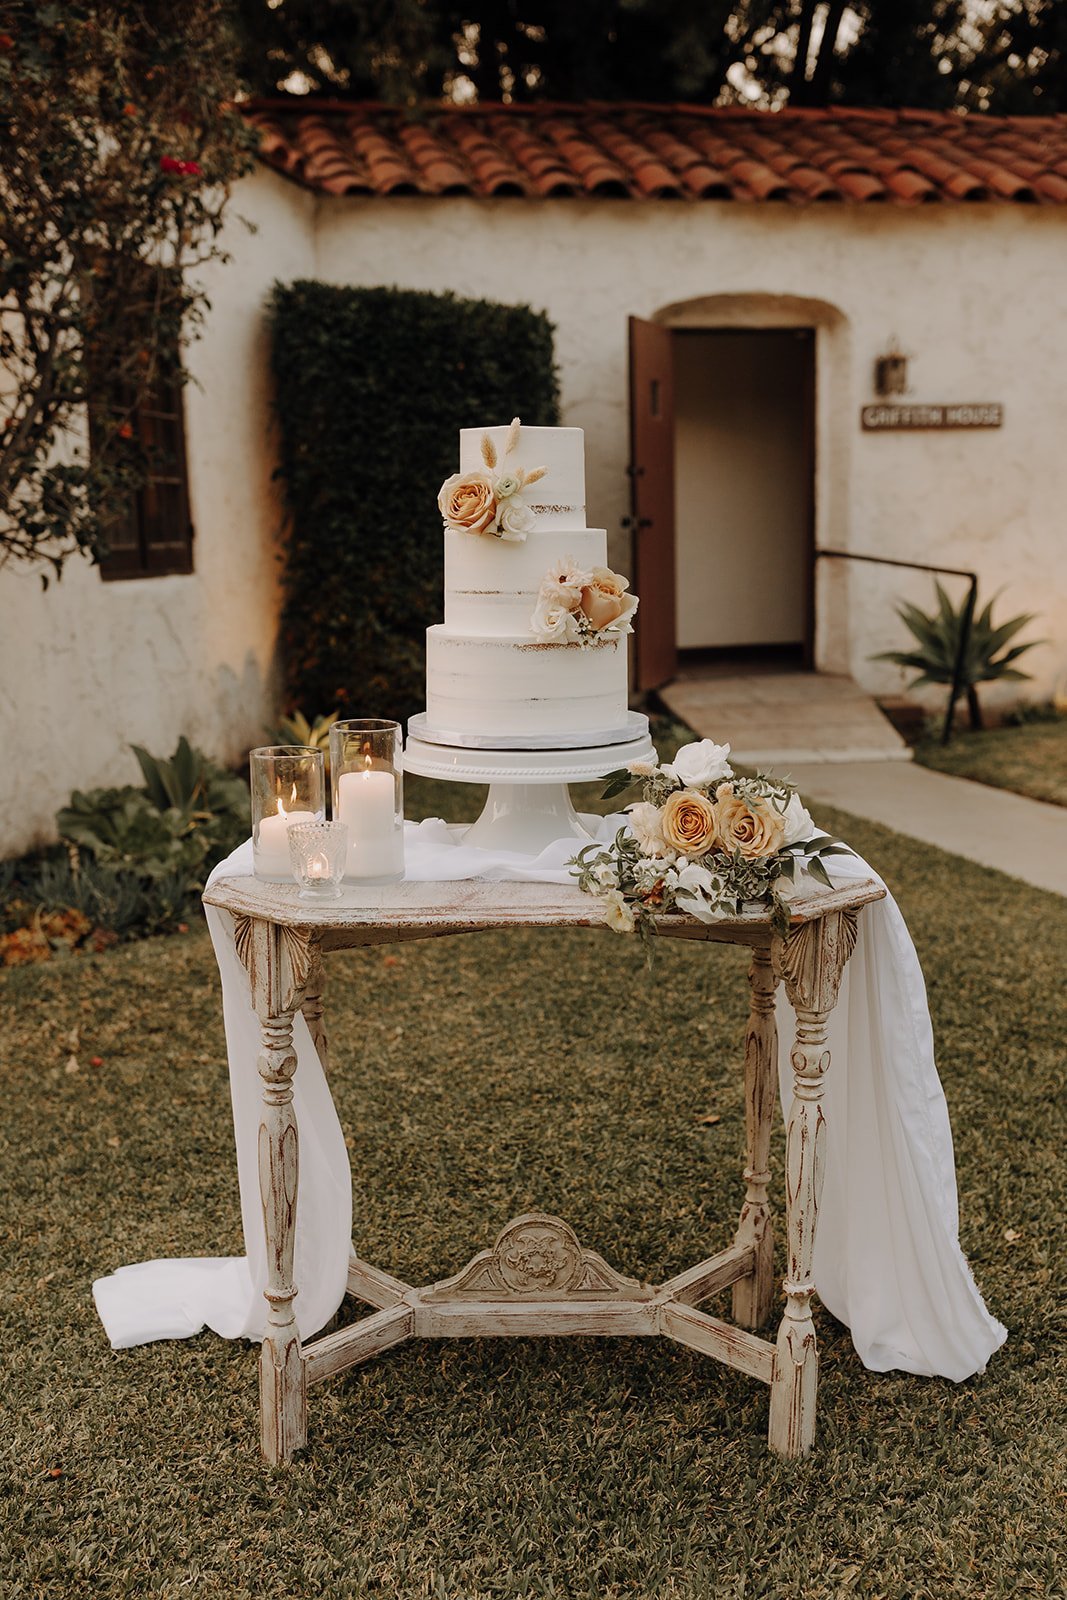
(526, 817)
(529, 805)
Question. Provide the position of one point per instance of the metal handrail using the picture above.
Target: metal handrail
(965, 625)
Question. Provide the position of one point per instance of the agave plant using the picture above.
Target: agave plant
(985, 658)
(296, 729)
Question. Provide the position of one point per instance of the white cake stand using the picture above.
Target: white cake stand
(528, 805)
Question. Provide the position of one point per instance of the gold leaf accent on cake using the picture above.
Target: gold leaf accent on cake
(488, 451)
(512, 437)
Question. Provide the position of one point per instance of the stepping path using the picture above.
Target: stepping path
(830, 739)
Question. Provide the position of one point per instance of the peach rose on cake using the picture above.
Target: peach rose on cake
(689, 823)
(467, 502)
(606, 603)
(750, 827)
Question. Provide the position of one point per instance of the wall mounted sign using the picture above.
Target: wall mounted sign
(878, 418)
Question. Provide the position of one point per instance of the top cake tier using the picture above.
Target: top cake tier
(558, 499)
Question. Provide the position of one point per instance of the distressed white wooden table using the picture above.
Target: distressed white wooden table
(538, 1278)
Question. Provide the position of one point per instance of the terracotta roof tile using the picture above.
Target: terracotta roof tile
(648, 152)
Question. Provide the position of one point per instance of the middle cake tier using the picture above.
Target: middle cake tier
(491, 585)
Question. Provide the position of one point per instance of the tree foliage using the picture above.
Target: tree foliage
(117, 151)
(1003, 55)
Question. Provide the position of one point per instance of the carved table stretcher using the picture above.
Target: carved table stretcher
(538, 1279)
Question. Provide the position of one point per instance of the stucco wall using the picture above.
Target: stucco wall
(976, 296)
(89, 667)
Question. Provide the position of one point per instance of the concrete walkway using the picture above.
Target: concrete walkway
(1025, 838)
(830, 739)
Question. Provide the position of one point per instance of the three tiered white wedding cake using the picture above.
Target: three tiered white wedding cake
(533, 644)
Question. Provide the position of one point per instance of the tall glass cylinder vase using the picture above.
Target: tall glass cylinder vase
(288, 786)
(367, 779)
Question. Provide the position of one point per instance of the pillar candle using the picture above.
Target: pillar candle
(271, 850)
(366, 801)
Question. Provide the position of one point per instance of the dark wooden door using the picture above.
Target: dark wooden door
(652, 500)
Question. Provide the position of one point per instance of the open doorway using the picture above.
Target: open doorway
(744, 492)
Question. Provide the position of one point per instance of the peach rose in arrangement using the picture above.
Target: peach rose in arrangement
(688, 823)
(605, 601)
(468, 503)
(748, 827)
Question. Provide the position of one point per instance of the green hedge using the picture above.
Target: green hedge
(371, 388)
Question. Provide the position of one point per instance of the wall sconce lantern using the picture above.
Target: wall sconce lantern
(891, 373)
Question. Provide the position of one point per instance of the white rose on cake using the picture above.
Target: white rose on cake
(696, 765)
(515, 520)
(554, 622)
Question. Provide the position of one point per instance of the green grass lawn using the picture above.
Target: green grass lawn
(1031, 759)
(478, 1078)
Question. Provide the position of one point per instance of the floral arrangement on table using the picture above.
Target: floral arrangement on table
(703, 841)
(490, 502)
(582, 606)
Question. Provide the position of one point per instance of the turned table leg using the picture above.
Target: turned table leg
(753, 1297)
(810, 960)
(282, 1397)
(278, 961)
(314, 1011)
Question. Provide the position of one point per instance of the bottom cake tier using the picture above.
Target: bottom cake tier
(485, 685)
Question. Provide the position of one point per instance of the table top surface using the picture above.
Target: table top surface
(476, 903)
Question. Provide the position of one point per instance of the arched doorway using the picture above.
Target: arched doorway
(729, 408)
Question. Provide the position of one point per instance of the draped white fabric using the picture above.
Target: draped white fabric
(887, 1259)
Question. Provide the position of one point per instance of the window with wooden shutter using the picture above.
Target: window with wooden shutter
(152, 535)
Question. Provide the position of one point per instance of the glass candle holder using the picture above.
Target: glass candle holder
(317, 855)
(288, 787)
(367, 782)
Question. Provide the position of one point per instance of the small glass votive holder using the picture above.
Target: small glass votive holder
(288, 786)
(317, 854)
(367, 783)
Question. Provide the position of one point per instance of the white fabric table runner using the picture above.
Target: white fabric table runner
(887, 1256)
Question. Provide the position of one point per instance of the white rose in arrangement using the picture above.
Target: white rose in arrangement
(645, 822)
(701, 763)
(515, 520)
(798, 823)
(617, 914)
(506, 485)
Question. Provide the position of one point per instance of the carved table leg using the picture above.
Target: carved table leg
(810, 960)
(312, 1007)
(282, 1400)
(753, 1297)
(278, 962)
